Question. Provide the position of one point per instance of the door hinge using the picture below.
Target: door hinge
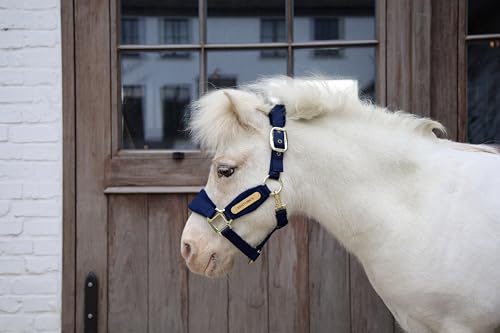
(91, 296)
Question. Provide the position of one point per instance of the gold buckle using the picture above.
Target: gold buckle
(219, 213)
(279, 181)
(285, 139)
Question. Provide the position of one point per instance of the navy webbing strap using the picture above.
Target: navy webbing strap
(251, 199)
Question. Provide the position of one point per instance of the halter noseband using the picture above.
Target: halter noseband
(251, 199)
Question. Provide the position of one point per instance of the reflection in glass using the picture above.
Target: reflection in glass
(483, 17)
(333, 20)
(155, 93)
(232, 68)
(159, 22)
(230, 21)
(483, 86)
(343, 63)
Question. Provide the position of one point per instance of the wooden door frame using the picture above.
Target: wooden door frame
(412, 61)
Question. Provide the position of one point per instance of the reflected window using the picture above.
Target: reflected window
(132, 113)
(217, 81)
(130, 33)
(328, 28)
(175, 31)
(272, 31)
(175, 101)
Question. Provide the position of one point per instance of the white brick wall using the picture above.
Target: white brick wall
(30, 166)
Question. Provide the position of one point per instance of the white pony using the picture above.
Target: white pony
(422, 214)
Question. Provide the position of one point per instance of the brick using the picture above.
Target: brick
(16, 247)
(10, 115)
(42, 265)
(11, 39)
(40, 304)
(45, 190)
(13, 94)
(41, 152)
(11, 76)
(16, 323)
(26, 171)
(41, 76)
(34, 133)
(39, 57)
(4, 286)
(37, 4)
(11, 190)
(36, 228)
(42, 112)
(47, 322)
(40, 38)
(42, 208)
(11, 266)
(34, 285)
(22, 19)
(9, 151)
(46, 94)
(10, 304)
(47, 247)
(4, 133)
(4, 207)
(11, 228)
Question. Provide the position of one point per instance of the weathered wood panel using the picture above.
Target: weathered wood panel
(93, 141)
(368, 312)
(329, 295)
(128, 264)
(247, 292)
(288, 278)
(208, 303)
(167, 273)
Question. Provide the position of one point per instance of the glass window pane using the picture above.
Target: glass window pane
(343, 63)
(246, 21)
(156, 88)
(334, 20)
(159, 22)
(483, 85)
(232, 68)
(483, 17)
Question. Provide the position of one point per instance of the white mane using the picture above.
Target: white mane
(213, 122)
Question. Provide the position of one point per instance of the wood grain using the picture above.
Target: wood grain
(368, 312)
(328, 282)
(462, 71)
(288, 278)
(128, 264)
(168, 290)
(93, 147)
(69, 179)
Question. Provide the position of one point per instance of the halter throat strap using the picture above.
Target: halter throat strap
(251, 199)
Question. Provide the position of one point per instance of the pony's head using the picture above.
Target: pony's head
(234, 126)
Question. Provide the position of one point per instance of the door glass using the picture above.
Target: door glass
(483, 17)
(347, 63)
(159, 22)
(246, 21)
(483, 97)
(333, 20)
(156, 88)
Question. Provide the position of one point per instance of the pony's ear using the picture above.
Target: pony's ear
(244, 106)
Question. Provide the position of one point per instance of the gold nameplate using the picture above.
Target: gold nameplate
(252, 198)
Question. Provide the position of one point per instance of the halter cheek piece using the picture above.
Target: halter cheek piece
(251, 199)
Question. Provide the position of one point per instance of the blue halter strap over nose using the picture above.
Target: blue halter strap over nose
(251, 199)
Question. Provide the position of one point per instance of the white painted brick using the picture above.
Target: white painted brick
(40, 304)
(16, 323)
(42, 265)
(9, 151)
(42, 228)
(47, 247)
(47, 322)
(10, 304)
(11, 4)
(4, 207)
(34, 133)
(41, 152)
(11, 39)
(42, 190)
(9, 115)
(4, 133)
(11, 190)
(38, 4)
(45, 94)
(42, 112)
(12, 94)
(11, 76)
(35, 285)
(11, 228)
(16, 247)
(41, 76)
(40, 38)
(4, 285)
(28, 171)
(11, 266)
(22, 19)
(42, 208)
(39, 57)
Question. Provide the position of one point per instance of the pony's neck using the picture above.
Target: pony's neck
(357, 179)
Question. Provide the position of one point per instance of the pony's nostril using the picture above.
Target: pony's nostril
(186, 250)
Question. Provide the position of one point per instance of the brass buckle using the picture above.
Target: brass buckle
(285, 139)
(219, 213)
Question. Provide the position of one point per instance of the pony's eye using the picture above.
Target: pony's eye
(225, 171)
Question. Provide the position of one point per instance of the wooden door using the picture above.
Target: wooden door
(124, 210)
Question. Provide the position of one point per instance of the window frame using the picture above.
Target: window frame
(190, 167)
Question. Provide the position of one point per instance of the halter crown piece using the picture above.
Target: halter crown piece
(251, 199)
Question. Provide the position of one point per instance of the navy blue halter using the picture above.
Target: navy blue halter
(251, 199)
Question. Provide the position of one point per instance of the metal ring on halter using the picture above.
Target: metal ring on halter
(280, 182)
